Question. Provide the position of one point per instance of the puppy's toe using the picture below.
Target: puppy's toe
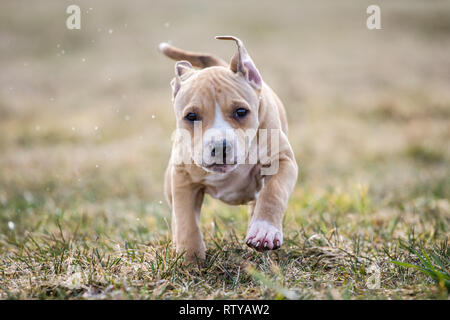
(263, 236)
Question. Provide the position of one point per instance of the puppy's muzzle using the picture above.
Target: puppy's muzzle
(220, 150)
(220, 156)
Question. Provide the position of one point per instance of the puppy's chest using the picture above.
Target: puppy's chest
(240, 187)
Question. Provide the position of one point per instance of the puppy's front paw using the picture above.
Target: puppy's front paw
(193, 253)
(263, 236)
(194, 257)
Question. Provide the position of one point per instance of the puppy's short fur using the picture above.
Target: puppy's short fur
(225, 97)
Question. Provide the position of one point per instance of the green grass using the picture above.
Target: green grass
(82, 214)
(330, 245)
(435, 267)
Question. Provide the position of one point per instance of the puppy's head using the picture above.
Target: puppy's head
(218, 106)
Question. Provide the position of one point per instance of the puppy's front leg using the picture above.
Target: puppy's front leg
(265, 228)
(187, 200)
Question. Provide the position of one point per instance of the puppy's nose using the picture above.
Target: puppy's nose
(221, 148)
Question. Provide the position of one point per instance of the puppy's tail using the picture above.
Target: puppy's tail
(199, 60)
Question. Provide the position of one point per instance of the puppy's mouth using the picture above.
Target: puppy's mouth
(219, 168)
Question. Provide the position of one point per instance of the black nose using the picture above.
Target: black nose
(221, 149)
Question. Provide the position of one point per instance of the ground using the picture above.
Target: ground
(85, 134)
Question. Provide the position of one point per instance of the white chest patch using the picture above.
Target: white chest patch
(237, 187)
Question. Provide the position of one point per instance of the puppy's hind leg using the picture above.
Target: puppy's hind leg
(168, 185)
(168, 196)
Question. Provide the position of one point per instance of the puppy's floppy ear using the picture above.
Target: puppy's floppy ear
(243, 63)
(181, 68)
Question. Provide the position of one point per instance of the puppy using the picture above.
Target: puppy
(238, 129)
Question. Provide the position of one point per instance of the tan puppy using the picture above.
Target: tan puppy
(260, 170)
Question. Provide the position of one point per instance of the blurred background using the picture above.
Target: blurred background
(86, 115)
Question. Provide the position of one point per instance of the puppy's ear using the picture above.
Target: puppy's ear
(181, 68)
(243, 63)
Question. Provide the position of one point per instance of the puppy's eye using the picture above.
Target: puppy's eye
(191, 116)
(240, 112)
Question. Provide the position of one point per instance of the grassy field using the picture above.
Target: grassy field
(85, 126)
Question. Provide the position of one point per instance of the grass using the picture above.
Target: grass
(330, 244)
(84, 145)
(433, 267)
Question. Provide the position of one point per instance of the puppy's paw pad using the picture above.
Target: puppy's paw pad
(263, 236)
